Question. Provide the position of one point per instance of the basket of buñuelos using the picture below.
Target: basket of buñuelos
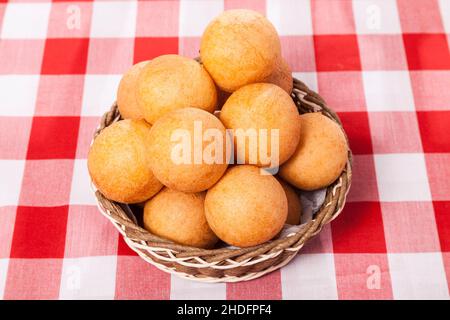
(220, 170)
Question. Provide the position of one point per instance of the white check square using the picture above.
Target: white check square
(25, 21)
(376, 17)
(308, 78)
(402, 177)
(418, 276)
(196, 14)
(114, 19)
(80, 192)
(88, 278)
(444, 6)
(388, 91)
(99, 93)
(309, 276)
(290, 17)
(3, 273)
(18, 94)
(11, 172)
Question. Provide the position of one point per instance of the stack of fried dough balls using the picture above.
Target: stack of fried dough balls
(196, 178)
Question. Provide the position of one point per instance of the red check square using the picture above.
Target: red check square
(438, 170)
(39, 232)
(53, 138)
(7, 218)
(149, 48)
(89, 233)
(14, 136)
(430, 89)
(356, 125)
(21, 56)
(420, 16)
(298, 51)
(442, 214)
(59, 95)
(382, 52)
(395, 132)
(434, 127)
(137, 279)
(46, 182)
(332, 17)
(363, 276)
(85, 135)
(123, 249)
(118, 59)
(427, 51)
(334, 87)
(410, 227)
(258, 6)
(157, 19)
(359, 229)
(33, 279)
(265, 288)
(337, 53)
(364, 180)
(65, 56)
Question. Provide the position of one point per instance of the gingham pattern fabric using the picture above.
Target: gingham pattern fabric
(383, 65)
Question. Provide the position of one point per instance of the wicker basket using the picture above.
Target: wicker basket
(226, 264)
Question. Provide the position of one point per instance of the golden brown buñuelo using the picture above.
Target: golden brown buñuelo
(262, 106)
(176, 166)
(172, 82)
(281, 76)
(321, 154)
(126, 93)
(239, 47)
(246, 208)
(179, 217)
(119, 162)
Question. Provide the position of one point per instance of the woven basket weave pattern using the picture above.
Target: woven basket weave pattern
(229, 265)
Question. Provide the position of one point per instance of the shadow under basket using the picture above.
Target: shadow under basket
(229, 264)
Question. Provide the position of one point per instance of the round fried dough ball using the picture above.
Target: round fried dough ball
(321, 154)
(179, 217)
(118, 162)
(294, 204)
(175, 158)
(262, 106)
(172, 82)
(246, 208)
(281, 76)
(126, 93)
(239, 47)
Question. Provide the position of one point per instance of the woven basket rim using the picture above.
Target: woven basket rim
(229, 264)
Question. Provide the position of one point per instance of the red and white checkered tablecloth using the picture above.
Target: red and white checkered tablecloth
(384, 65)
